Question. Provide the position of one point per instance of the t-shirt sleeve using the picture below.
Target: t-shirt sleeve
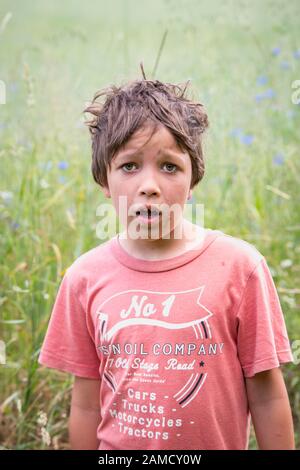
(262, 339)
(68, 344)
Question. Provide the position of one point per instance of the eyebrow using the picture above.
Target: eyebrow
(137, 153)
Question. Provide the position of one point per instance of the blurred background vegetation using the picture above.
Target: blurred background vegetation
(241, 57)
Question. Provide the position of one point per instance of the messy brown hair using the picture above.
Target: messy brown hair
(130, 107)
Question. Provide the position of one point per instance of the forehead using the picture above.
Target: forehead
(147, 138)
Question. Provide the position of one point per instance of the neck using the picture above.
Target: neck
(161, 248)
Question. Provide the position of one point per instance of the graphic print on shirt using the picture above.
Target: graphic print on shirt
(152, 340)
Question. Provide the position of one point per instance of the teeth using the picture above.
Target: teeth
(147, 213)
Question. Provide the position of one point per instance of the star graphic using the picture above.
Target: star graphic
(201, 364)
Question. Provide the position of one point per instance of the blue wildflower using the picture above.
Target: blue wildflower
(236, 132)
(15, 225)
(259, 97)
(269, 93)
(62, 179)
(63, 165)
(278, 159)
(276, 50)
(247, 139)
(261, 80)
(13, 87)
(297, 54)
(284, 65)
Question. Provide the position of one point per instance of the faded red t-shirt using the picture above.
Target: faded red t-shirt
(171, 341)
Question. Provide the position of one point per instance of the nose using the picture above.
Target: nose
(149, 184)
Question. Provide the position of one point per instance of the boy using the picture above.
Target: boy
(174, 332)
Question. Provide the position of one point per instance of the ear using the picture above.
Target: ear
(190, 195)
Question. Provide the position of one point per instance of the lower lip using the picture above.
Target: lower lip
(149, 220)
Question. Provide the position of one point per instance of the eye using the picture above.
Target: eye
(171, 167)
(126, 165)
(175, 167)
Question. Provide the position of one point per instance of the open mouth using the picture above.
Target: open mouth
(148, 213)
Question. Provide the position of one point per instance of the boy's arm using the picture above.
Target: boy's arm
(270, 410)
(85, 414)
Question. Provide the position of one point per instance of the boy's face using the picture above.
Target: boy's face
(159, 174)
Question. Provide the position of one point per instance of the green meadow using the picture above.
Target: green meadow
(241, 59)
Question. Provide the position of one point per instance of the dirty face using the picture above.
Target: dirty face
(150, 172)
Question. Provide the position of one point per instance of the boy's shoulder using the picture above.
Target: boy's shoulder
(90, 262)
(237, 250)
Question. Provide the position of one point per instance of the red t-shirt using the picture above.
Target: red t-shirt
(171, 340)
